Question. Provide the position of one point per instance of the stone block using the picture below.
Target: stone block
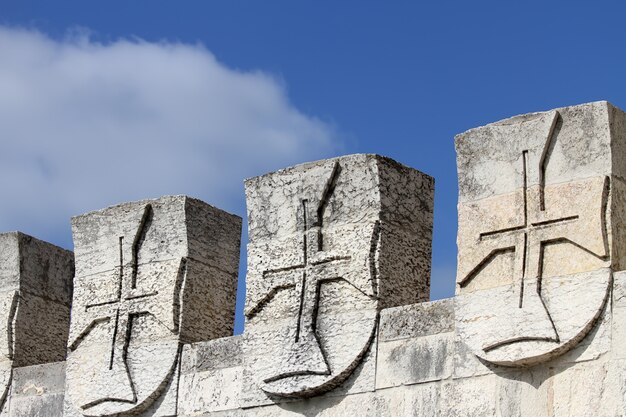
(210, 355)
(361, 379)
(466, 363)
(524, 393)
(538, 241)
(517, 393)
(359, 405)
(331, 243)
(416, 344)
(38, 391)
(414, 401)
(416, 320)
(589, 389)
(35, 297)
(36, 291)
(594, 345)
(415, 360)
(470, 397)
(618, 314)
(211, 376)
(210, 391)
(150, 276)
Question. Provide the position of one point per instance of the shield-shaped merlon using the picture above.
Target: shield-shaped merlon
(150, 276)
(331, 243)
(541, 198)
(35, 298)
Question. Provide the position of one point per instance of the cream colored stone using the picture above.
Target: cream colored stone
(521, 336)
(589, 390)
(470, 397)
(618, 314)
(534, 247)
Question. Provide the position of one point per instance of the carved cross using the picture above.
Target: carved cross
(318, 266)
(529, 251)
(574, 215)
(127, 304)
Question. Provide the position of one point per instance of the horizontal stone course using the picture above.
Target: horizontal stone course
(416, 320)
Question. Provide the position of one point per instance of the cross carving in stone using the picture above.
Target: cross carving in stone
(318, 266)
(127, 304)
(528, 235)
(529, 253)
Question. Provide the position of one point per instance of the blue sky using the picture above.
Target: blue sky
(104, 102)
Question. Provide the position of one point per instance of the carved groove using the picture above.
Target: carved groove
(181, 279)
(478, 268)
(144, 225)
(373, 256)
(11, 324)
(517, 340)
(125, 308)
(545, 156)
(310, 275)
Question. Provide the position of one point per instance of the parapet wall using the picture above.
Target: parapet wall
(417, 367)
(337, 322)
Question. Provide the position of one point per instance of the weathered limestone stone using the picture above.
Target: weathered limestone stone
(35, 298)
(150, 276)
(417, 320)
(211, 376)
(38, 390)
(470, 397)
(541, 228)
(415, 344)
(331, 244)
(338, 322)
(618, 310)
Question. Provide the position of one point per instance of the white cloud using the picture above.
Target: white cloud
(85, 125)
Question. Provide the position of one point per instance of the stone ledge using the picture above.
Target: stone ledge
(416, 320)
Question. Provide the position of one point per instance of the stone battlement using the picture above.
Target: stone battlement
(337, 283)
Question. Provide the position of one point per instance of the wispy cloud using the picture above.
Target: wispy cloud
(84, 125)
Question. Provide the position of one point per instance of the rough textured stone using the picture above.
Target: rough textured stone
(337, 318)
(212, 354)
(417, 320)
(536, 240)
(210, 391)
(413, 361)
(618, 315)
(150, 276)
(38, 391)
(211, 376)
(470, 397)
(331, 243)
(35, 297)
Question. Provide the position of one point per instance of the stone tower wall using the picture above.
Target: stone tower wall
(337, 283)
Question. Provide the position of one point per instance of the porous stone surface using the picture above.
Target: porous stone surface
(538, 236)
(337, 317)
(331, 244)
(211, 376)
(35, 298)
(38, 391)
(150, 276)
(415, 344)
